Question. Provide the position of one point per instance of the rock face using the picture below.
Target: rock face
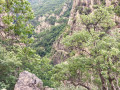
(47, 88)
(73, 19)
(28, 81)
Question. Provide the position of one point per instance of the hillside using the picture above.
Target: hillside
(52, 17)
(86, 48)
(80, 7)
(45, 10)
(60, 45)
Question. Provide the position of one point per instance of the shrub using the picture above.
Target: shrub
(117, 10)
(80, 9)
(113, 2)
(51, 20)
(103, 2)
(83, 4)
(87, 11)
(95, 6)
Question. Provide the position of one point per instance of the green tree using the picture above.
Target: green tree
(117, 10)
(8, 64)
(96, 53)
(17, 14)
(15, 58)
(43, 71)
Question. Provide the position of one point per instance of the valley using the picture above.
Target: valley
(59, 44)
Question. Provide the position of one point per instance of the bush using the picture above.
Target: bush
(62, 20)
(67, 13)
(51, 20)
(83, 4)
(87, 11)
(117, 10)
(57, 12)
(80, 9)
(103, 2)
(3, 86)
(113, 2)
(95, 6)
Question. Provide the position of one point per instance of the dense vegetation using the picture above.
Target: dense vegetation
(15, 53)
(44, 40)
(94, 61)
(16, 29)
(49, 7)
(98, 53)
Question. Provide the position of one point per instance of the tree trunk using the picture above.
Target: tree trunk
(81, 84)
(103, 81)
(84, 86)
(117, 83)
(110, 79)
(111, 83)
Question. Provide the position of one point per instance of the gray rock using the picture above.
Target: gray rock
(28, 81)
(47, 88)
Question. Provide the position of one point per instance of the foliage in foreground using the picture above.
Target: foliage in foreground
(15, 54)
(96, 53)
(14, 62)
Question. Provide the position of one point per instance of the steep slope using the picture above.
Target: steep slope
(51, 18)
(88, 6)
(60, 52)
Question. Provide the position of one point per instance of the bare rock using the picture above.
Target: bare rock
(47, 88)
(28, 81)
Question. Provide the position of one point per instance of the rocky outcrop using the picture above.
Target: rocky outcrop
(76, 25)
(28, 81)
(74, 13)
(65, 8)
(60, 53)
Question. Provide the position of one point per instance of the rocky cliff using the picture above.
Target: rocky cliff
(79, 7)
(87, 5)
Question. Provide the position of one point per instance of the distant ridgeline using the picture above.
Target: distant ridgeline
(49, 7)
(42, 7)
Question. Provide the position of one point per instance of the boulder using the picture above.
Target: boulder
(28, 81)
